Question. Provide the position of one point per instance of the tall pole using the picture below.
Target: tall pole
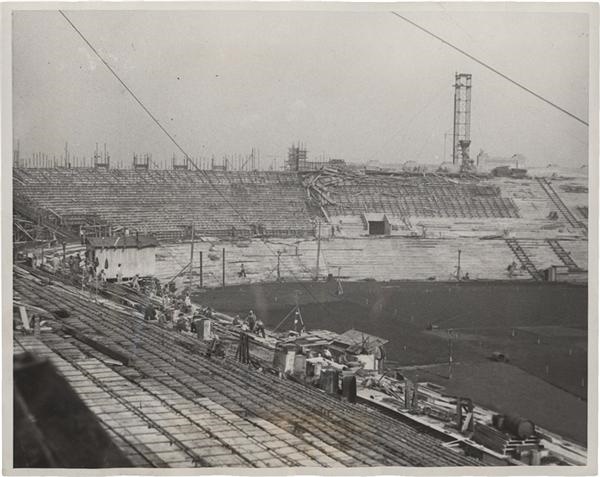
(278, 261)
(458, 266)
(445, 144)
(223, 268)
(201, 278)
(318, 248)
(449, 354)
(191, 256)
(455, 128)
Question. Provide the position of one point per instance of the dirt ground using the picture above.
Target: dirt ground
(505, 388)
(541, 327)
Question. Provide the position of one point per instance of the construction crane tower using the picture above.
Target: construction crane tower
(462, 120)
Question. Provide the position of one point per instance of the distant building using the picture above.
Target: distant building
(485, 163)
(297, 160)
(135, 253)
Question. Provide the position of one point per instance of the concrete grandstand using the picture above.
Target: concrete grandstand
(537, 223)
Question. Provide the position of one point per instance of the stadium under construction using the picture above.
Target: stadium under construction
(319, 314)
(200, 248)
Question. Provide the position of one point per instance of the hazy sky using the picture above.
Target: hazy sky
(352, 85)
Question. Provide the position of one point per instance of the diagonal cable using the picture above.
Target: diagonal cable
(491, 68)
(186, 155)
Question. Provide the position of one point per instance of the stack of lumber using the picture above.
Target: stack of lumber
(502, 442)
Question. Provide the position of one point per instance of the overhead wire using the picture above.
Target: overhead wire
(403, 130)
(186, 155)
(491, 68)
(122, 83)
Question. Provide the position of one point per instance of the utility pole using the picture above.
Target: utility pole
(446, 134)
(458, 266)
(318, 248)
(449, 354)
(223, 268)
(191, 256)
(201, 278)
(278, 262)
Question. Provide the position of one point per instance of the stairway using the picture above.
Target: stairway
(560, 205)
(564, 256)
(524, 258)
(44, 218)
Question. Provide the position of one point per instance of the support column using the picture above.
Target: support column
(201, 277)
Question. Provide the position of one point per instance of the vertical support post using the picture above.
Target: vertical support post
(449, 354)
(64, 247)
(278, 262)
(191, 256)
(458, 266)
(36, 325)
(223, 268)
(201, 277)
(455, 128)
(318, 248)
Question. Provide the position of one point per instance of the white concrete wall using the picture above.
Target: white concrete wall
(132, 260)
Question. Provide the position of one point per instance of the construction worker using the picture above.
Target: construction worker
(181, 324)
(297, 321)
(251, 319)
(149, 312)
(135, 283)
(236, 320)
(215, 347)
(379, 358)
(259, 328)
(56, 262)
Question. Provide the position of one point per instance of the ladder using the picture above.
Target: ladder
(523, 258)
(564, 256)
(560, 205)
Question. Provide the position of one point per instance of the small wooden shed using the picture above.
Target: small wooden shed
(135, 253)
(376, 224)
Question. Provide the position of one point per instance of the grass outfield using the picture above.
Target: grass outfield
(542, 327)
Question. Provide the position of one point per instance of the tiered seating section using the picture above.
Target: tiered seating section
(167, 202)
(425, 196)
(395, 258)
(173, 407)
(432, 217)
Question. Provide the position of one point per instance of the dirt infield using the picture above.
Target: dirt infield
(541, 327)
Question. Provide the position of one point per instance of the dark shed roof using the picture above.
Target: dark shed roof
(129, 241)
